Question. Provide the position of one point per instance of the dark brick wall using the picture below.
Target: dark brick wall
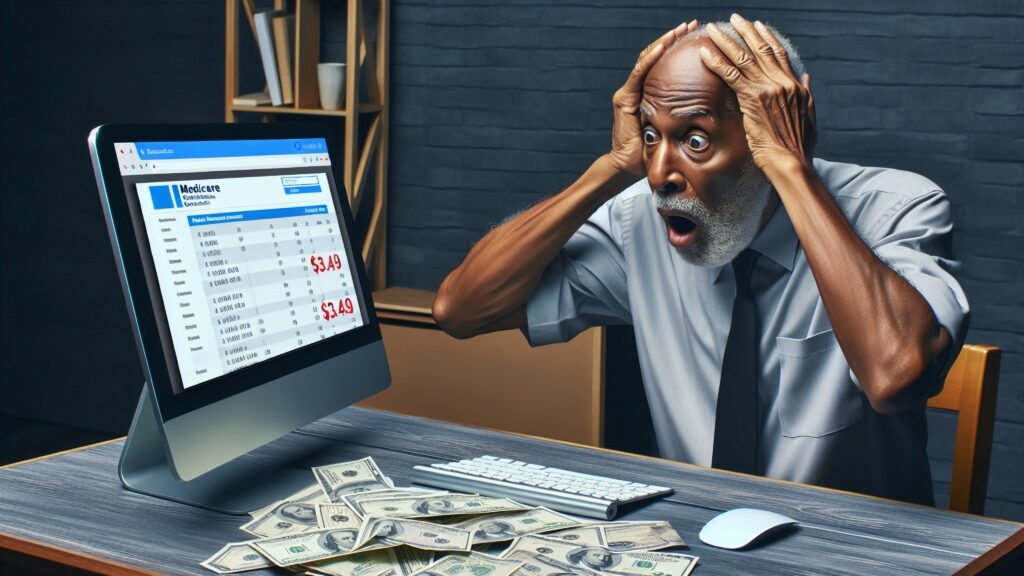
(497, 104)
(67, 349)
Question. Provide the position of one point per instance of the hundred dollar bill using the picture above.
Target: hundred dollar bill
(371, 563)
(350, 477)
(311, 547)
(540, 565)
(422, 535)
(311, 494)
(356, 500)
(330, 515)
(411, 560)
(236, 557)
(400, 561)
(601, 559)
(293, 515)
(474, 564)
(588, 535)
(439, 505)
(507, 526)
(641, 536)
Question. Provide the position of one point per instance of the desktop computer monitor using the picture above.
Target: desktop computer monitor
(247, 296)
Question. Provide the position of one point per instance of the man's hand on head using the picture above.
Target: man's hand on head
(627, 142)
(777, 108)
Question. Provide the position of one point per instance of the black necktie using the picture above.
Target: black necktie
(736, 417)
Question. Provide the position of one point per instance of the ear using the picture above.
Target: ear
(810, 119)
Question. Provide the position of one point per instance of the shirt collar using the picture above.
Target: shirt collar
(777, 241)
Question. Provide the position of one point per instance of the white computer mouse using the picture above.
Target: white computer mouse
(737, 528)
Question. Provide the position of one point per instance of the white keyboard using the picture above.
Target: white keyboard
(562, 490)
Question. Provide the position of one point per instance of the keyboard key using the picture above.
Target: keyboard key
(559, 489)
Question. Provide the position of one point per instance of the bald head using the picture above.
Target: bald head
(680, 80)
(796, 64)
(681, 70)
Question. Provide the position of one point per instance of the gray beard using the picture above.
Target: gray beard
(728, 228)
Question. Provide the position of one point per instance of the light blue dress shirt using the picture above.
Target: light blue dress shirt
(817, 425)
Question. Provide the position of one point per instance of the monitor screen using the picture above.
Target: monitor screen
(245, 254)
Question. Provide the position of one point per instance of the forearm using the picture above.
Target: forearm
(886, 329)
(501, 271)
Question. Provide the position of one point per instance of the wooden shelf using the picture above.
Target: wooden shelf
(365, 108)
(364, 146)
(405, 305)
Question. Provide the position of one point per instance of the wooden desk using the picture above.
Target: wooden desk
(70, 509)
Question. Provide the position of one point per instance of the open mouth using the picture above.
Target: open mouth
(681, 224)
(682, 231)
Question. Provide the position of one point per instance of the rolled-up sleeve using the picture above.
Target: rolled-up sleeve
(918, 245)
(584, 286)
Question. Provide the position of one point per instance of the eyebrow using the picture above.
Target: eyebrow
(691, 112)
(685, 113)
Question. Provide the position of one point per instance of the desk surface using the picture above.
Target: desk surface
(71, 508)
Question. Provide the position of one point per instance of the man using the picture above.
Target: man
(594, 558)
(491, 530)
(338, 540)
(297, 512)
(792, 315)
(387, 528)
(435, 505)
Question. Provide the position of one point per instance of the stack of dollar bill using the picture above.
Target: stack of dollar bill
(354, 522)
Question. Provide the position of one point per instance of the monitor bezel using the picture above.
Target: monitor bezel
(133, 278)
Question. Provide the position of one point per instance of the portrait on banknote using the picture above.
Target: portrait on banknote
(436, 505)
(594, 558)
(493, 530)
(338, 540)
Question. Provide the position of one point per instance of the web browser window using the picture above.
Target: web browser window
(249, 254)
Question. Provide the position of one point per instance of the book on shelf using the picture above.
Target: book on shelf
(265, 40)
(284, 34)
(253, 99)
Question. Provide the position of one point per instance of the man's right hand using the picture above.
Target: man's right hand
(627, 143)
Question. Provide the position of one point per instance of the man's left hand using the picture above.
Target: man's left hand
(778, 109)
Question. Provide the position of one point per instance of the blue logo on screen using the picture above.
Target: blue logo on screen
(161, 196)
(165, 196)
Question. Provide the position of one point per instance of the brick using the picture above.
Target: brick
(999, 102)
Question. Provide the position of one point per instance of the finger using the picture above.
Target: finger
(738, 57)
(650, 55)
(778, 51)
(725, 70)
(761, 50)
(631, 90)
(806, 82)
(812, 119)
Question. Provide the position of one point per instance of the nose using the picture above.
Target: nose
(663, 175)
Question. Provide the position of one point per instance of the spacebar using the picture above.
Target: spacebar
(568, 503)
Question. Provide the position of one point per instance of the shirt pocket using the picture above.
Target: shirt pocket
(817, 395)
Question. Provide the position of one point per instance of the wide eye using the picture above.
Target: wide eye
(650, 136)
(697, 142)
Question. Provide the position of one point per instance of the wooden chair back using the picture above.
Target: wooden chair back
(970, 390)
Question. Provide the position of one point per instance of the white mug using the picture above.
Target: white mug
(331, 77)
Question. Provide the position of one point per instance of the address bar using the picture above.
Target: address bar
(201, 164)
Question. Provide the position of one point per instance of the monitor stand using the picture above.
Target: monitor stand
(236, 487)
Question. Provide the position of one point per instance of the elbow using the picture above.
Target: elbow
(898, 385)
(445, 315)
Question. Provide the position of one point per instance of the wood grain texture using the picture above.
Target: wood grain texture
(970, 390)
(74, 502)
